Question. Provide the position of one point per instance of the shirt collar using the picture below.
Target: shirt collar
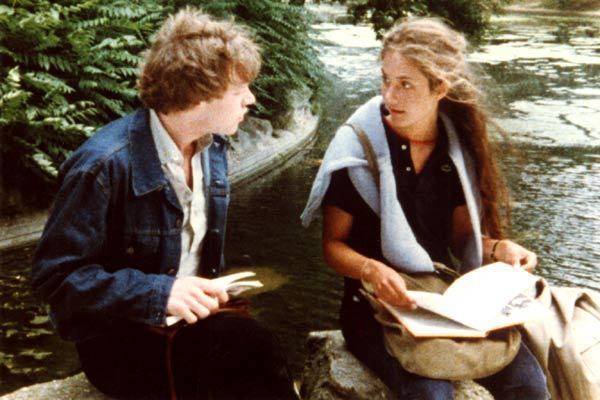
(440, 150)
(166, 147)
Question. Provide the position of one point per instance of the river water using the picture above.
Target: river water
(543, 77)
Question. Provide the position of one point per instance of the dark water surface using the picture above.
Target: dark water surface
(545, 85)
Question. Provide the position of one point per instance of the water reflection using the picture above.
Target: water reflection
(30, 350)
(549, 75)
(544, 82)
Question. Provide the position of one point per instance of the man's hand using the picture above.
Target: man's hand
(515, 255)
(193, 298)
(387, 284)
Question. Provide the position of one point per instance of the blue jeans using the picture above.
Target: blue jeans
(522, 379)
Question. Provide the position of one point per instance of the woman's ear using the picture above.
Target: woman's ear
(441, 90)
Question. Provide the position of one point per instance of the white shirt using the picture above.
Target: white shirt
(192, 201)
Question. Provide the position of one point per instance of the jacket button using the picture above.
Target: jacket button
(171, 272)
(178, 222)
(130, 250)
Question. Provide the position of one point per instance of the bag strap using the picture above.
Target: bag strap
(374, 167)
(441, 268)
(368, 149)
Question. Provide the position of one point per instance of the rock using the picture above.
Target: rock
(258, 147)
(300, 108)
(332, 373)
(260, 127)
(76, 387)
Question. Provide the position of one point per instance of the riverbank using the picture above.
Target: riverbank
(338, 13)
(536, 7)
(256, 149)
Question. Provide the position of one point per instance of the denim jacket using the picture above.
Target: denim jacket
(111, 247)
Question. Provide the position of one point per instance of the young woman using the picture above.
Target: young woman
(438, 192)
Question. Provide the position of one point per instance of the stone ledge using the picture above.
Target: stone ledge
(332, 373)
(22, 229)
(76, 387)
(257, 150)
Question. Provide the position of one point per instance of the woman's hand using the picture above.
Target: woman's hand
(193, 298)
(387, 284)
(515, 255)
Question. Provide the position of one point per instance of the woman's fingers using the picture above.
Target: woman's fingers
(390, 287)
(517, 255)
(400, 293)
(529, 262)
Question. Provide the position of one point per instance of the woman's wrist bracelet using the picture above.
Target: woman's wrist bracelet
(493, 252)
(362, 269)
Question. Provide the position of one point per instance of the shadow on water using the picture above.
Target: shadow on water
(30, 349)
(547, 79)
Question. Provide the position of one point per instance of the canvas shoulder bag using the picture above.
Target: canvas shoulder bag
(438, 358)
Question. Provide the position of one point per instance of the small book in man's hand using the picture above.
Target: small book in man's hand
(233, 284)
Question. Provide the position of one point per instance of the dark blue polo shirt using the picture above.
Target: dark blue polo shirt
(428, 199)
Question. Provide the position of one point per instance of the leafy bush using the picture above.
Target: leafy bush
(70, 66)
(67, 67)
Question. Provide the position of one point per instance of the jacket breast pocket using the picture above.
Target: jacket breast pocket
(141, 247)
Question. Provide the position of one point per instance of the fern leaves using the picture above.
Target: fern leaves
(67, 68)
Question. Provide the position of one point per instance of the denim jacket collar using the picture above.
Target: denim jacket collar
(146, 172)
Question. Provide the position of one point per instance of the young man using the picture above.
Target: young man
(138, 226)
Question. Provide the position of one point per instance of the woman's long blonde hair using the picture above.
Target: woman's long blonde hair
(440, 54)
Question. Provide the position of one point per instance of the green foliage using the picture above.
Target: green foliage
(67, 67)
(469, 16)
(70, 66)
